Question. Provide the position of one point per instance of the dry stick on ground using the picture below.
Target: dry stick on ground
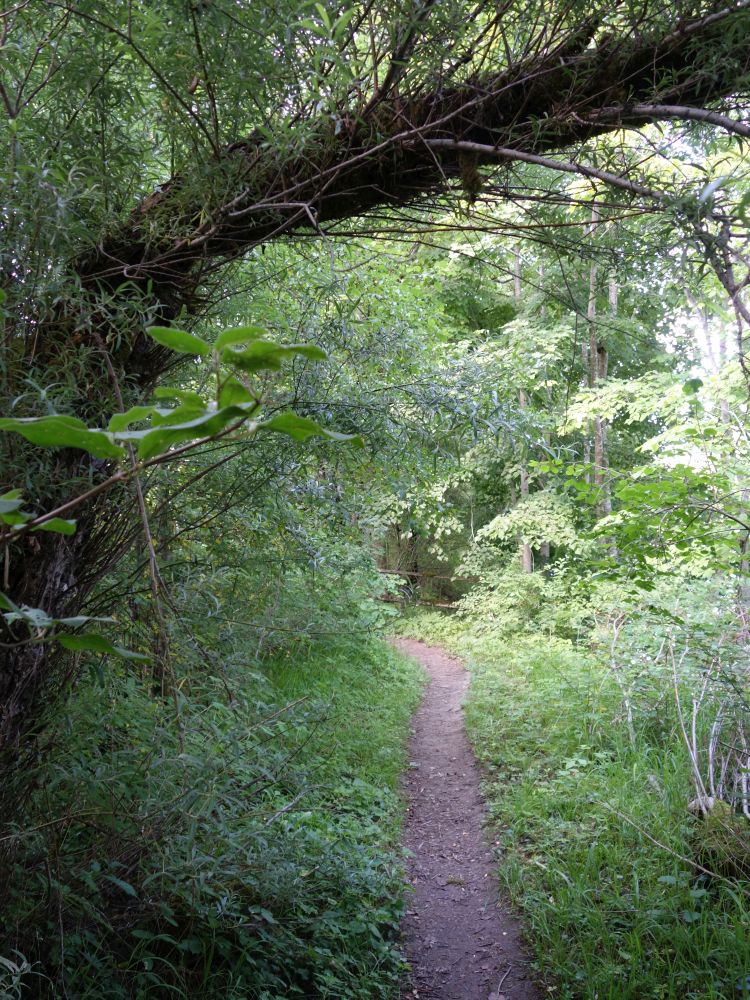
(675, 854)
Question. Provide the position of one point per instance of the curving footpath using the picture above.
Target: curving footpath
(460, 942)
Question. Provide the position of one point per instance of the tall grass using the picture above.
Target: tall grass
(594, 840)
(250, 853)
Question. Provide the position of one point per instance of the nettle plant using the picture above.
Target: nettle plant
(145, 436)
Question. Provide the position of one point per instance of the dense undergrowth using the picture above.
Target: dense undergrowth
(626, 893)
(251, 851)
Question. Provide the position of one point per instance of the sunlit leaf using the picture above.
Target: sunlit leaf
(262, 354)
(57, 524)
(302, 428)
(62, 432)
(179, 340)
(238, 335)
(155, 441)
(16, 517)
(92, 642)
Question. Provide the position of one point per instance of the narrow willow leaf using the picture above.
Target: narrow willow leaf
(122, 884)
(178, 340)
(6, 604)
(62, 432)
(77, 620)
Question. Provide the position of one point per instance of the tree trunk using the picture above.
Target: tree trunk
(527, 557)
(598, 361)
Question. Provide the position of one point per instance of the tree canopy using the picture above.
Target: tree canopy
(311, 311)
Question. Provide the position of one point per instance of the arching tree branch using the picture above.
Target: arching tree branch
(387, 154)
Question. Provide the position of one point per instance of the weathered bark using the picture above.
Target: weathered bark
(562, 95)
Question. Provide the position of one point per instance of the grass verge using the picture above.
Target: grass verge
(575, 809)
(253, 855)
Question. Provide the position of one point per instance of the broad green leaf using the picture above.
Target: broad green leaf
(262, 354)
(34, 617)
(121, 884)
(16, 517)
(302, 428)
(92, 642)
(120, 421)
(238, 335)
(62, 432)
(154, 441)
(692, 386)
(10, 501)
(233, 391)
(178, 340)
(57, 524)
(185, 396)
(173, 415)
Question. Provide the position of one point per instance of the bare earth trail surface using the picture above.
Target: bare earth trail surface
(460, 943)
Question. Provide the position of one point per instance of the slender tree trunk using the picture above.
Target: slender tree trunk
(598, 361)
(601, 457)
(586, 380)
(527, 557)
(591, 361)
(544, 548)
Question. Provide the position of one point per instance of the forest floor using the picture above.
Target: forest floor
(461, 943)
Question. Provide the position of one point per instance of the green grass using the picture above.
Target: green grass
(368, 692)
(609, 915)
(258, 860)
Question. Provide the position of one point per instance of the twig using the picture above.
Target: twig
(675, 854)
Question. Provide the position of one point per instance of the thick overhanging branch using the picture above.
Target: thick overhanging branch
(399, 150)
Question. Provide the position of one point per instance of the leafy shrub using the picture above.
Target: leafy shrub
(250, 851)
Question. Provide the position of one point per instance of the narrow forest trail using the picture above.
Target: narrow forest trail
(460, 943)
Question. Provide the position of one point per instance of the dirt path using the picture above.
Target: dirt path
(459, 944)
